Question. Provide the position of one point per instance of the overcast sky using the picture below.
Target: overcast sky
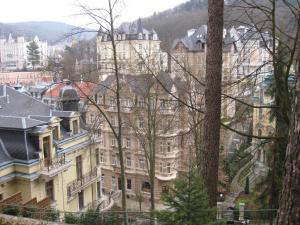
(62, 10)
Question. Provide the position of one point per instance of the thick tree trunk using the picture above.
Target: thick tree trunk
(289, 205)
(209, 155)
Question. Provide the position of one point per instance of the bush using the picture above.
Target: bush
(52, 215)
(90, 217)
(29, 212)
(13, 210)
(71, 218)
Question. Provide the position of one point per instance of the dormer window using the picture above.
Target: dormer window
(155, 37)
(55, 133)
(123, 36)
(75, 127)
(46, 149)
(140, 36)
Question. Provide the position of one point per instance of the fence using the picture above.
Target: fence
(258, 217)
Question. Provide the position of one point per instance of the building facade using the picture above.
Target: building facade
(136, 48)
(141, 97)
(46, 153)
(14, 56)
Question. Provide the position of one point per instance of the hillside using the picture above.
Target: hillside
(45, 30)
(174, 23)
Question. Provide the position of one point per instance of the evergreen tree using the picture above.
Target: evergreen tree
(187, 201)
(247, 186)
(33, 53)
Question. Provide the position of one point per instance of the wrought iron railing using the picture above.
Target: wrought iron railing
(77, 185)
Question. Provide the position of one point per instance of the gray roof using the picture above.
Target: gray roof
(4, 156)
(13, 122)
(21, 118)
(138, 84)
(132, 31)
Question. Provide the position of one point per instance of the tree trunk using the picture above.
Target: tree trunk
(289, 205)
(209, 159)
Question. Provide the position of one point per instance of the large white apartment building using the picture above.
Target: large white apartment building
(136, 49)
(13, 53)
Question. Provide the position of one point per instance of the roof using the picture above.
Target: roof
(21, 118)
(13, 122)
(83, 89)
(138, 84)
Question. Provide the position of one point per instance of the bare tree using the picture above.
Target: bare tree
(105, 18)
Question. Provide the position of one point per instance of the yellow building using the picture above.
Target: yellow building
(46, 153)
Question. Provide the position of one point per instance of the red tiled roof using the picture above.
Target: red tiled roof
(83, 89)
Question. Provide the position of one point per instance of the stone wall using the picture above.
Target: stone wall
(15, 220)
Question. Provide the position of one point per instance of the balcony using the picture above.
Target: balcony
(52, 167)
(77, 185)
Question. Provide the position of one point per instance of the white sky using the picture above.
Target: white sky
(64, 10)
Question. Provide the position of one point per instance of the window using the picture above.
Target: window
(119, 183)
(161, 167)
(97, 156)
(102, 158)
(260, 114)
(128, 161)
(141, 123)
(1, 197)
(128, 143)
(161, 147)
(146, 186)
(168, 167)
(259, 132)
(99, 189)
(55, 133)
(75, 127)
(79, 167)
(165, 189)
(112, 121)
(50, 190)
(142, 163)
(113, 183)
(46, 148)
(129, 186)
(140, 36)
(112, 101)
(96, 98)
(114, 160)
(81, 200)
(168, 147)
(113, 142)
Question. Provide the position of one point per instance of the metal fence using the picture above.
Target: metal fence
(91, 217)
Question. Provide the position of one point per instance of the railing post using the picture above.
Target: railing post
(242, 211)
(219, 210)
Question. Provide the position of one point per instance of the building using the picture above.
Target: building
(14, 56)
(244, 57)
(136, 47)
(26, 78)
(140, 95)
(51, 96)
(46, 153)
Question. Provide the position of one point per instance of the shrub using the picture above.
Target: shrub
(71, 218)
(29, 212)
(13, 210)
(52, 215)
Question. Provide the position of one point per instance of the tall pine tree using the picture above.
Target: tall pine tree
(33, 54)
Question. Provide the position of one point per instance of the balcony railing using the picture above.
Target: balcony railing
(51, 167)
(77, 185)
